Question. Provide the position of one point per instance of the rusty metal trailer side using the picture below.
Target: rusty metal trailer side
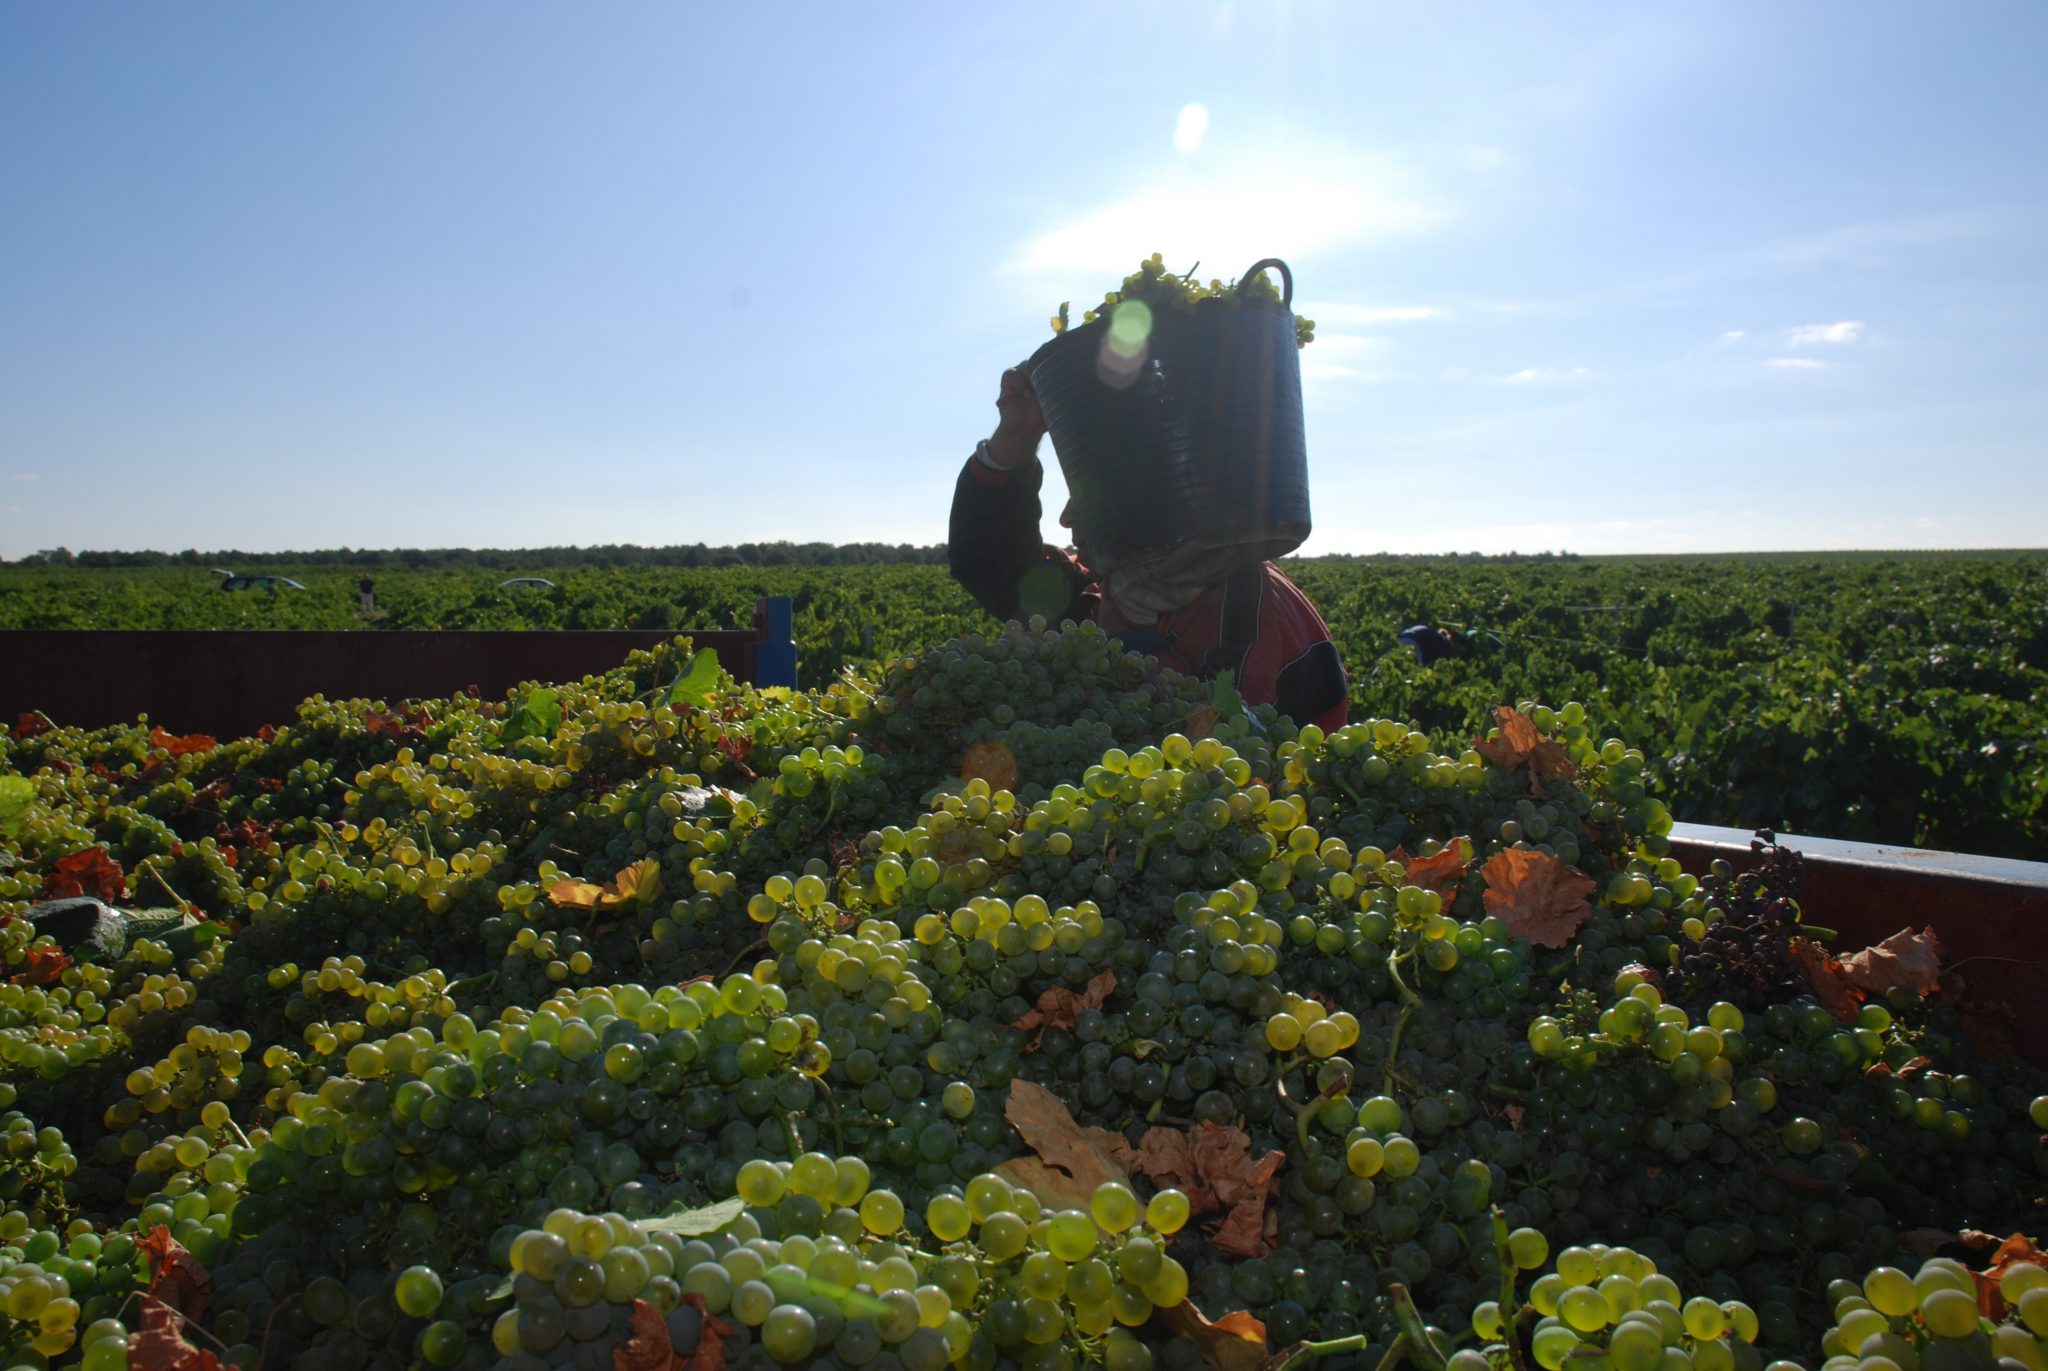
(1991, 913)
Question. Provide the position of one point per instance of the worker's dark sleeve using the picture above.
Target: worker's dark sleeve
(993, 545)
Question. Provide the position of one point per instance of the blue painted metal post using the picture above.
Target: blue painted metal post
(775, 656)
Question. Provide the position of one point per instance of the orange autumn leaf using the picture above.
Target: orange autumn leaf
(1070, 1161)
(1825, 978)
(1540, 897)
(2017, 1250)
(710, 1353)
(178, 745)
(1905, 958)
(175, 1275)
(1248, 1230)
(1443, 873)
(160, 1343)
(1520, 745)
(89, 871)
(41, 966)
(991, 762)
(649, 1348)
(398, 723)
(641, 881)
(1235, 1342)
(1059, 1007)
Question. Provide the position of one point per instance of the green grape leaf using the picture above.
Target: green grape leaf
(17, 793)
(1223, 696)
(696, 1223)
(538, 716)
(696, 685)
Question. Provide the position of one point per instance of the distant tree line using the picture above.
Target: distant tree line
(488, 559)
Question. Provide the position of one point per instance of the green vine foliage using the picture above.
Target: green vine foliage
(1896, 699)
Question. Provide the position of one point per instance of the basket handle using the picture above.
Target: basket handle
(1286, 278)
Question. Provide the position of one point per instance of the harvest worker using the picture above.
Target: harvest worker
(1248, 618)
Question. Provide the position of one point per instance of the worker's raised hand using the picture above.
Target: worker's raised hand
(1019, 425)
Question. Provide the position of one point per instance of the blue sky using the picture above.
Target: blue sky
(1605, 278)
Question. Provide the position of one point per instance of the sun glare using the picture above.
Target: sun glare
(1191, 127)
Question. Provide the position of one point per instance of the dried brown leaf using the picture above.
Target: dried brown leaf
(1905, 958)
(1071, 1161)
(710, 1353)
(1235, 1342)
(1241, 1184)
(1059, 1007)
(1539, 897)
(1443, 873)
(2017, 1250)
(1165, 1158)
(650, 1348)
(1520, 746)
(179, 745)
(176, 1276)
(160, 1345)
(639, 882)
(1825, 977)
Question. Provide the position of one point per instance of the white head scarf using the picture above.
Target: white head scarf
(1144, 590)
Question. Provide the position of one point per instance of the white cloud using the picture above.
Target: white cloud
(1327, 343)
(1348, 314)
(1733, 335)
(1805, 335)
(1341, 357)
(1229, 215)
(23, 476)
(1796, 363)
(1328, 371)
(1190, 127)
(1534, 375)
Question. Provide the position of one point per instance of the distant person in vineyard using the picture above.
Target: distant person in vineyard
(1250, 620)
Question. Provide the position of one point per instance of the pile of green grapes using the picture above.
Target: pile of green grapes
(1162, 292)
(496, 1047)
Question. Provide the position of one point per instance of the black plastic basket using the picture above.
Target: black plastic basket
(1199, 439)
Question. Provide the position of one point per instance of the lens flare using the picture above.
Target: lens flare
(1125, 345)
(991, 762)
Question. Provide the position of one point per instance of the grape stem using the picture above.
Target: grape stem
(1396, 1350)
(758, 945)
(832, 1109)
(1427, 1354)
(472, 983)
(1409, 1001)
(1304, 1117)
(149, 865)
(1302, 1353)
(796, 1139)
(1504, 1257)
